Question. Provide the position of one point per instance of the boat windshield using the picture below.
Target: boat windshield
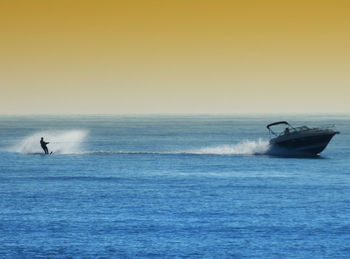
(302, 128)
(291, 130)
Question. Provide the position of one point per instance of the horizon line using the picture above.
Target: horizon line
(175, 114)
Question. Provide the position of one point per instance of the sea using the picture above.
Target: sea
(170, 186)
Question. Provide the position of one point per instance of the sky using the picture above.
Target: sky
(180, 56)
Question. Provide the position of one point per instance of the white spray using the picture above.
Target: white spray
(246, 147)
(61, 142)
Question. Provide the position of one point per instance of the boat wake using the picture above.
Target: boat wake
(70, 143)
(246, 147)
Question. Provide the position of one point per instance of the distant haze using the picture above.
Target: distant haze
(181, 56)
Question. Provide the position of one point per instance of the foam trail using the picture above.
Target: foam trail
(246, 147)
(61, 142)
(69, 142)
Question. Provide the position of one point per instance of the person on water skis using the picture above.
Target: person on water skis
(43, 145)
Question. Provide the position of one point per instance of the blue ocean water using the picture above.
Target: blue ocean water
(169, 186)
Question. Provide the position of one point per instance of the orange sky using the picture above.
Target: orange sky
(106, 57)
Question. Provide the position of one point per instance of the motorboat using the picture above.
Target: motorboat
(300, 141)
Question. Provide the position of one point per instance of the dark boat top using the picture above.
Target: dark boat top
(277, 123)
(290, 130)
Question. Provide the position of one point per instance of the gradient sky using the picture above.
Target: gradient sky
(145, 56)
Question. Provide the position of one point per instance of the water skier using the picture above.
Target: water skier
(43, 145)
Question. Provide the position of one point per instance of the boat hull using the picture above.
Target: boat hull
(310, 143)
